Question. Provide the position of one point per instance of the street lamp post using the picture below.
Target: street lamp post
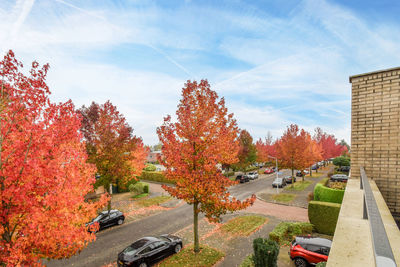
(276, 170)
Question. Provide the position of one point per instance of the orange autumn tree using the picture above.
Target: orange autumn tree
(291, 148)
(203, 136)
(44, 176)
(313, 153)
(118, 155)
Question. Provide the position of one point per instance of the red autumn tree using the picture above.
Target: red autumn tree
(203, 136)
(44, 176)
(292, 147)
(118, 155)
(330, 147)
(265, 150)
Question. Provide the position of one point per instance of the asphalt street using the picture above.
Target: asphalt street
(111, 241)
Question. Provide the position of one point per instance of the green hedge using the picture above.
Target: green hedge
(266, 252)
(139, 188)
(124, 187)
(324, 216)
(326, 194)
(284, 231)
(150, 167)
(154, 176)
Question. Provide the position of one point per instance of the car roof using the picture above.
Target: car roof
(339, 176)
(111, 211)
(319, 241)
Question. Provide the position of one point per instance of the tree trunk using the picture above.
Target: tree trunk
(310, 172)
(196, 227)
(109, 202)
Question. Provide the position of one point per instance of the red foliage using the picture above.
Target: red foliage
(265, 149)
(44, 175)
(330, 147)
(111, 145)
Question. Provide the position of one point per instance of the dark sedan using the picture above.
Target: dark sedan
(242, 178)
(149, 250)
(289, 179)
(107, 219)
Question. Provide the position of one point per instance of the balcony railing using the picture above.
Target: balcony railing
(382, 250)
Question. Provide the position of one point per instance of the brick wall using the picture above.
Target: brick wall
(375, 132)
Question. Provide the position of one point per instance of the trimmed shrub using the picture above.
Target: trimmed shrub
(266, 252)
(285, 231)
(326, 194)
(154, 176)
(150, 167)
(139, 188)
(124, 187)
(324, 216)
(146, 188)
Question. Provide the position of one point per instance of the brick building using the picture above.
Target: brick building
(375, 132)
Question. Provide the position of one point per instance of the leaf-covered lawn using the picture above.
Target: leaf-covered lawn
(243, 225)
(207, 256)
(282, 197)
(140, 195)
(152, 201)
(314, 175)
(298, 186)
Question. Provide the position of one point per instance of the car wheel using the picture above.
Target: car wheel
(300, 262)
(177, 248)
(143, 264)
(120, 221)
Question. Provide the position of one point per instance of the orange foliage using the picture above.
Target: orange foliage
(203, 136)
(44, 175)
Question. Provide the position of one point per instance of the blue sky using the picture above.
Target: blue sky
(275, 62)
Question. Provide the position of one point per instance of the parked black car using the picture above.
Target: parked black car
(279, 182)
(339, 178)
(344, 169)
(289, 179)
(149, 250)
(242, 178)
(107, 219)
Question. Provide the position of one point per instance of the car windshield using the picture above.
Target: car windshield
(164, 238)
(131, 250)
(98, 218)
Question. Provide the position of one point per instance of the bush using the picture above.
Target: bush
(146, 188)
(154, 176)
(139, 188)
(326, 194)
(251, 168)
(283, 233)
(324, 216)
(321, 264)
(150, 167)
(341, 161)
(124, 186)
(337, 185)
(266, 252)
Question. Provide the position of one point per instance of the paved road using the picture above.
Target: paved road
(113, 240)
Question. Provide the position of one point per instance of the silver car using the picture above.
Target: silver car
(253, 175)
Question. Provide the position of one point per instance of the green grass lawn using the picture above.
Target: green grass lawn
(314, 175)
(207, 257)
(147, 202)
(140, 195)
(298, 186)
(243, 225)
(284, 198)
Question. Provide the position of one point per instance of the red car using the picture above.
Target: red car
(309, 250)
(268, 171)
